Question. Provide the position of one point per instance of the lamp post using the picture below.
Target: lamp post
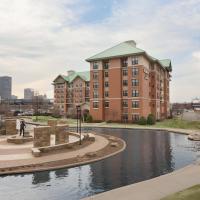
(78, 109)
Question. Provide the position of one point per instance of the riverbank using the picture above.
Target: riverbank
(101, 148)
(156, 188)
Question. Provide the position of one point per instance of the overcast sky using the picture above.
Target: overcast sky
(40, 39)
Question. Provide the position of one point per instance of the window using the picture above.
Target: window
(125, 93)
(87, 84)
(106, 104)
(125, 82)
(106, 74)
(106, 84)
(95, 65)
(95, 75)
(135, 93)
(95, 104)
(125, 72)
(135, 104)
(135, 117)
(135, 71)
(124, 62)
(95, 85)
(106, 94)
(106, 65)
(134, 60)
(125, 103)
(95, 94)
(135, 82)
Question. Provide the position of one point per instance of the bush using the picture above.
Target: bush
(151, 119)
(142, 121)
(89, 118)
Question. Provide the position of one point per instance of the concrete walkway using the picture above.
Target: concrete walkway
(100, 143)
(156, 188)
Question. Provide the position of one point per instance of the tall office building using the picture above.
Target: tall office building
(28, 93)
(127, 83)
(5, 87)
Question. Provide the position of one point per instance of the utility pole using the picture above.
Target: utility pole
(78, 128)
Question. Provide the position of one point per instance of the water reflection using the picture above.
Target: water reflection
(40, 177)
(147, 155)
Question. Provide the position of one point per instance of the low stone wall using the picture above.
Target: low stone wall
(19, 139)
(46, 149)
(61, 134)
(41, 136)
(52, 122)
(10, 126)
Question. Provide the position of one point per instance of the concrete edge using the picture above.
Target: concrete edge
(142, 128)
(68, 165)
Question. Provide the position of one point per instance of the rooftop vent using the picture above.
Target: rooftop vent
(70, 72)
(131, 42)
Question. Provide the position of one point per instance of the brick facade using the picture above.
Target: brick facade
(125, 88)
(71, 90)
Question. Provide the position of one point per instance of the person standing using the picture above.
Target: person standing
(22, 127)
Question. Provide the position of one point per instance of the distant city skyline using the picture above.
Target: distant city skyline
(5, 87)
(41, 38)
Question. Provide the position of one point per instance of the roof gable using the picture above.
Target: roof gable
(122, 49)
(60, 78)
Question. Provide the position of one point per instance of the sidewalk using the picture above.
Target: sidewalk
(100, 143)
(156, 188)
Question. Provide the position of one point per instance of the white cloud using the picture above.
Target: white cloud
(40, 39)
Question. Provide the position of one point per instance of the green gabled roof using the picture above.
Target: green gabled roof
(84, 75)
(125, 49)
(166, 63)
(122, 49)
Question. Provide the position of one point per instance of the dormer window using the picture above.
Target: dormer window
(135, 60)
(95, 65)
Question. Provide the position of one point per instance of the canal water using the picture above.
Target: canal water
(148, 154)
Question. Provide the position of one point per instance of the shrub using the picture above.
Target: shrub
(151, 119)
(142, 121)
(89, 118)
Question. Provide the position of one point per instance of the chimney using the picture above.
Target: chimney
(131, 42)
(70, 72)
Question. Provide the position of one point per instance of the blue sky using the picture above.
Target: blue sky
(41, 39)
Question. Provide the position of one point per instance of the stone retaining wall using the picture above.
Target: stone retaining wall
(10, 126)
(61, 134)
(41, 136)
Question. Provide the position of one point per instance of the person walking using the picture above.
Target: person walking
(22, 127)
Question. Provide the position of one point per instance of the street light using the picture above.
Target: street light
(78, 109)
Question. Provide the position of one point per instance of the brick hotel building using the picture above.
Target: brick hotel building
(71, 90)
(127, 83)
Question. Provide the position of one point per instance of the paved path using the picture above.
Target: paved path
(100, 143)
(156, 188)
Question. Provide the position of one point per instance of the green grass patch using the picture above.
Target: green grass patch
(192, 193)
(46, 118)
(42, 118)
(178, 123)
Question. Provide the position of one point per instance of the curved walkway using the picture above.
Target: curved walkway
(156, 188)
(100, 143)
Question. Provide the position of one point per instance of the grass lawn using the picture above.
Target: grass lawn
(42, 118)
(178, 123)
(192, 193)
(46, 118)
(168, 123)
